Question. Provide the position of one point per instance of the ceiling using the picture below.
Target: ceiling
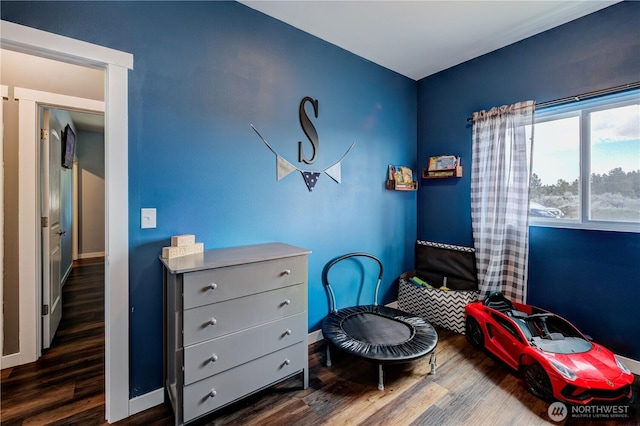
(414, 38)
(420, 38)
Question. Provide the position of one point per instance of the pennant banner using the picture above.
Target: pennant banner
(335, 172)
(310, 178)
(284, 168)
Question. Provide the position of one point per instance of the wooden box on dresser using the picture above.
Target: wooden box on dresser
(235, 323)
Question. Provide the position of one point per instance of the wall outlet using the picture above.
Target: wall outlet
(147, 218)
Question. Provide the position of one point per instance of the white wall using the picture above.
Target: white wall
(90, 154)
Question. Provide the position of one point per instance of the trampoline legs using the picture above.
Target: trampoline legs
(328, 357)
(380, 378)
(432, 360)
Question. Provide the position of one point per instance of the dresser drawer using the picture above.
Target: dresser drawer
(230, 385)
(216, 285)
(214, 356)
(218, 319)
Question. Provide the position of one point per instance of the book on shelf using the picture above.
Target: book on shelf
(402, 175)
(443, 166)
(442, 163)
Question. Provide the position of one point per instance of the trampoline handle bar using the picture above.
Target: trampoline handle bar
(333, 298)
(325, 276)
(346, 256)
(375, 295)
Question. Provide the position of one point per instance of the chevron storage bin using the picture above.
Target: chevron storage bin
(440, 307)
(440, 264)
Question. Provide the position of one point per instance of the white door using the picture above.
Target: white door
(50, 145)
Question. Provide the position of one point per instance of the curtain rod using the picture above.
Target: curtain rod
(584, 95)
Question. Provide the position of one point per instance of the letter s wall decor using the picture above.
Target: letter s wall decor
(309, 130)
(284, 167)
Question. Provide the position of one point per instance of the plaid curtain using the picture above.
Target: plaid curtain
(500, 172)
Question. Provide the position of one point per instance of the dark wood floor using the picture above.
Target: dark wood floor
(66, 385)
(67, 382)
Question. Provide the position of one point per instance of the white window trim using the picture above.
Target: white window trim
(588, 106)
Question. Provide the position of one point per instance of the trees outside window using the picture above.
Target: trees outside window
(586, 164)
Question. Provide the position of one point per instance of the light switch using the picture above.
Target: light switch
(147, 218)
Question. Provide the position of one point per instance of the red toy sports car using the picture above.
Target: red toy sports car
(556, 360)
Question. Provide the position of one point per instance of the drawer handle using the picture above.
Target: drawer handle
(287, 272)
(213, 286)
(213, 393)
(287, 362)
(288, 332)
(213, 321)
(287, 302)
(214, 358)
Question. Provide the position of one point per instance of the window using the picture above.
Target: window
(586, 164)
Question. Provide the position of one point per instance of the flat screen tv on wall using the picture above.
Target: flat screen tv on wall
(68, 147)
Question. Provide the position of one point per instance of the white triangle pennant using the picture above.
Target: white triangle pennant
(335, 172)
(283, 167)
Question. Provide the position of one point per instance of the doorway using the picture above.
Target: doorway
(72, 201)
(116, 65)
(30, 296)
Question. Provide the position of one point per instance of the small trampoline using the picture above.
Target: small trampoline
(376, 333)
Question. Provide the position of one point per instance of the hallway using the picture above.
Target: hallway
(66, 385)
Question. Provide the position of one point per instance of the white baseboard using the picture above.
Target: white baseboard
(315, 336)
(146, 401)
(10, 360)
(90, 255)
(66, 274)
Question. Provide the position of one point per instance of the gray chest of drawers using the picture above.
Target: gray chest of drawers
(235, 323)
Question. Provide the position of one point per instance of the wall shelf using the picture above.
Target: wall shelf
(443, 166)
(391, 184)
(400, 178)
(442, 174)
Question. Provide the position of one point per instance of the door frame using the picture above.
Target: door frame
(116, 65)
(4, 94)
(30, 296)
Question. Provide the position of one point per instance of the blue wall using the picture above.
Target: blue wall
(589, 277)
(203, 72)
